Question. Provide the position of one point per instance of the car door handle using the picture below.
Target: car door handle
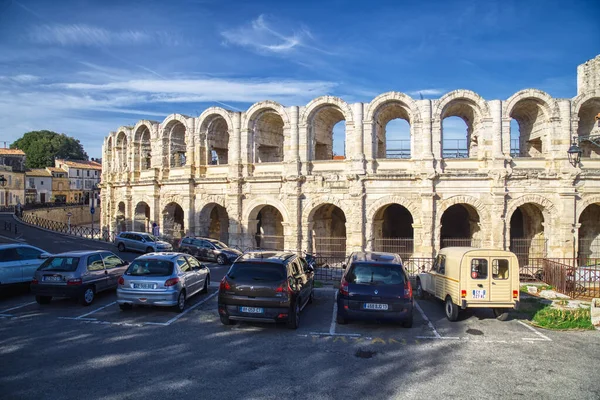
(479, 285)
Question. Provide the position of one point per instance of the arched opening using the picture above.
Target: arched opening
(173, 221)
(216, 131)
(460, 227)
(531, 121)
(393, 230)
(120, 218)
(328, 233)
(121, 150)
(142, 155)
(176, 146)
(214, 222)
(589, 232)
(141, 217)
(589, 126)
(108, 156)
(267, 229)
(321, 132)
(392, 131)
(339, 141)
(527, 238)
(268, 137)
(456, 142)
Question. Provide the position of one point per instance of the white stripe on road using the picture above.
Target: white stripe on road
(540, 334)
(169, 322)
(333, 317)
(334, 334)
(435, 332)
(14, 308)
(96, 310)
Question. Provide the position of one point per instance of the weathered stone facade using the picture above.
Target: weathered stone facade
(269, 172)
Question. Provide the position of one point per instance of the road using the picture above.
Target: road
(67, 351)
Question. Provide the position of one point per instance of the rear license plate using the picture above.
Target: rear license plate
(52, 279)
(252, 310)
(479, 294)
(143, 285)
(375, 306)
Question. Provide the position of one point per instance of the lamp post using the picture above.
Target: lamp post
(574, 153)
(93, 204)
(3, 184)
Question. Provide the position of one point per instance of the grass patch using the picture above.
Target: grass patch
(523, 288)
(554, 318)
(318, 284)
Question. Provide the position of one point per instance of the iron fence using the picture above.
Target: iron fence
(10, 209)
(269, 242)
(80, 231)
(460, 242)
(589, 248)
(397, 149)
(455, 148)
(526, 249)
(402, 246)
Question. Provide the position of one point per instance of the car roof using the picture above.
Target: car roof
(80, 253)
(375, 257)
(164, 255)
(15, 245)
(137, 233)
(277, 257)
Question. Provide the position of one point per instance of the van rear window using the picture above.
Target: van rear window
(500, 269)
(375, 274)
(479, 268)
(252, 272)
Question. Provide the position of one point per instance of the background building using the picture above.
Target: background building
(83, 177)
(12, 167)
(38, 186)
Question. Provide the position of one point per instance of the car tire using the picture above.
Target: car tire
(125, 306)
(43, 299)
(87, 296)
(408, 323)
(501, 314)
(206, 283)
(420, 294)
(451, 309)
(294, 316)
(121, 247)
(221, 259)
(225, 320)
(149, 249)
(180, 306)
(340, 320)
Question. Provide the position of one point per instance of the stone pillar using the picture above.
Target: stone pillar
(357, 155)
(496, 128)
(562, 141)
(426, 134)
(428, 244)
(291, 154)
(498, 219)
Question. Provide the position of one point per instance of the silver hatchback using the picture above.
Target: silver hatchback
(162, 279)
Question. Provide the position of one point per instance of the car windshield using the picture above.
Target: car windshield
(150, 238)
(374, 274)
(218, 245)
(65, 264)
(251, 272)
(150, 267)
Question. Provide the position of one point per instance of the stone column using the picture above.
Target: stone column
(426, 134)
(357, 155)
(428, 245)
(291, 154)
(565, 228)
(496, 128)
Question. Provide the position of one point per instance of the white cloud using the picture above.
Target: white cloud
(22, 78)
(427, 92)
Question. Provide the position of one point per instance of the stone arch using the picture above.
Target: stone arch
(534, 231)
(214, 221)
(585, 109)
(393, 97)
(475, 204)
(532, 109)
(585, 203)
(309, 209)
(472, 109)
(393, 199)
(142, 217)
(175, 137)
(142, 146)
(121, 217)
(320, 116)
(267, 124)
(588, 233)
(215, 127)
(108, 154)
(122, 149)
(253, 207)
(266, 224)
(550, 211)
(326, 228)
(390, 225)
(173, 220)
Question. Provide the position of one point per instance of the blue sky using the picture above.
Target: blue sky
(87, 67)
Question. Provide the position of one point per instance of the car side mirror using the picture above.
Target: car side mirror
(43, 256)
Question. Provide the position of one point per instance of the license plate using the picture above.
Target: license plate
(52, 279)
(143, 285)
(252, 310)
(479, 294)
(375, 306)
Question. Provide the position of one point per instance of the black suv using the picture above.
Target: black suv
(266, 287)
(208, 249)
(375, 286)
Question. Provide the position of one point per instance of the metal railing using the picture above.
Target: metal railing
(79, 231)
(460, 242)
(402, 246)
(526, 249)
(455, 148)
(399, 149)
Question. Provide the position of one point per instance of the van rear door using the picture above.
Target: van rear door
(500, 288)
(478, 286)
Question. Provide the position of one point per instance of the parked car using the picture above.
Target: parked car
(266, 287)
(162, 279)
(375, 286)
(77, 274)
(18, 262)
(140, 241)
(209, 249)
(466, 277)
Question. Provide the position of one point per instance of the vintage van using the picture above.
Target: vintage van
(467, 277)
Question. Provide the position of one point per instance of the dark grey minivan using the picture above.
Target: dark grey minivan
(78, 274)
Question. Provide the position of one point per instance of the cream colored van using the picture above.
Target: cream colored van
(466, 277)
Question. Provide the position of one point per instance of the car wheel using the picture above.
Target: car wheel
(408, 323)
(87, 296)
(180, 306)
(206, 283)
(43, 299)
(340, 320)
(501, 314)
(420, 294)
(149, 249)
(121, 247)
(294, 317)
(451, 309)
(125, 306)
(225, 320)
(221, 259)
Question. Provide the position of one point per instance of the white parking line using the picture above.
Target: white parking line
(14, 308)
(169, 322)
(333, 334)
(96, 310)
(540, 334)
(335, 307)
(435, 332)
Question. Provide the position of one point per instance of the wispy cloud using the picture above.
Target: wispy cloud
(22, 78)
(86, 35)
(427, 92)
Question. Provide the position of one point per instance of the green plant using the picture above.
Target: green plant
(553, 318)
(562, 302)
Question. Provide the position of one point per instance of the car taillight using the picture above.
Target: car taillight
(515, 294)
(224, 284)
(344, 287)
(34, 281)
(463, 293)
(73, 282)
(121, 281)
(171, 282)
(283, 288)
(408, 290)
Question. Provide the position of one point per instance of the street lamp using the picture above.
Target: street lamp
(3, 184)
(93, 204)
(574, 153)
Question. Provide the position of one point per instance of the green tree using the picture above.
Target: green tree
(42, 147)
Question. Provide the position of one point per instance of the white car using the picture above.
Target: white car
(18, 262)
